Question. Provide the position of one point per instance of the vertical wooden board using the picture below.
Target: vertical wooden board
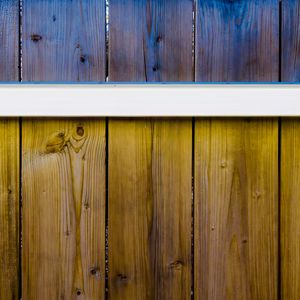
(236, 190)
(237, 40)
(150, 40)
(63, 209)
(236, 205)
(9, 209)
(290, 29)
(290, 157)
(290, 209)
(63, 40)
(150, 163)
(150, 209)
(9, 157)
(9, 40)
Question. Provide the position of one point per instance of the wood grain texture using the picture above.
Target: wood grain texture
(9, 157)
(63, 209)
(63, 40)
(150, 164)
(9, 209)
(9, 40)
(236, 209)
(290, 209)
(236, 163)
(237, 40)
(290, 59)
(150, 40)
(150, 209)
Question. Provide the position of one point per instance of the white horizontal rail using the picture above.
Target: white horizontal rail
(149, 100)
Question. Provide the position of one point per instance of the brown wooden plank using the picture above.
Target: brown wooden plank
(63, 40)
(290, 133)
(150, 209)
(149, 212)
(63, 209)
(64, 192)
(236, 204)
(9, 209)
(290, 209)
(9, 157)
(236, 190)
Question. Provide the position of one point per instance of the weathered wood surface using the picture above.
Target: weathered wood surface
(9, 209)
(290, 209)
(236, 161)
(63, 40)
(63, 160)
(9, 40)
(290, 59)
(150, 162)
(237, 40)
(236, 205)
(63, 209)
(9, 157)
(290, 159)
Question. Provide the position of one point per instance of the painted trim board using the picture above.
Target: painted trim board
(153, 100)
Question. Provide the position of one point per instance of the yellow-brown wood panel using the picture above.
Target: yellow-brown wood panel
(9, 209)
(63, 191)
(236, 209)
(150, 161)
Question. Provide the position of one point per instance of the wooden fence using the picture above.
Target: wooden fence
(150, 208)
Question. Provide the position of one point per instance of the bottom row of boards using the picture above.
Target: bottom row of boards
(150, 208)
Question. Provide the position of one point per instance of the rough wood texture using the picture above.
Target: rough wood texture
(150, 40)
(150, 209)
(9, 40)
(9, 209)
(63, 40)
(237, 40)
(64, 191)
(290, 63)
(290, 209)
(63, 209)
(236, 190)
(236, 205)
(9, 157)
(150, 161)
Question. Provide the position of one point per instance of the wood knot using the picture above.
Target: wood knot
(95, 272)
(155, 68)
(176, 265)
(79, 292)
(82, 58)
(223, 164)
(158, 39)
(35, 38)
(244, 241)
(122, 277)
(55, 142)
(80, 131)
(53, 18)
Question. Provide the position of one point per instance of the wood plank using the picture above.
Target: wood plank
(236, 173)
(150, 162)
(150, 209)
(64, 230)
(290, 209)
(9, 157)
(237, 40)
(289, 179)
(290, 56)
(63, 209)
(236, 203)
(63, 40)
(9, 42)
(9, 209)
